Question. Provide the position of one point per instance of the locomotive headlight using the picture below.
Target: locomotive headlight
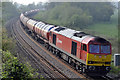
(92, 67)
(108, 68)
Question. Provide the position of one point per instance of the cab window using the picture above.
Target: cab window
(84, 47)
(105, 49)
(94, 48)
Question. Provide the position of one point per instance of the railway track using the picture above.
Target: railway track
(41, 63)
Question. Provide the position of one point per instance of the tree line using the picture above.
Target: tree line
(80, 14)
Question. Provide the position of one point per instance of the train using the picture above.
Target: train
(87, 53)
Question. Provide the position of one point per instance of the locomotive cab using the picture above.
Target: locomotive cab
(99, 56)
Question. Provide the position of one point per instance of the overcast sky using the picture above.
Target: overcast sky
(26, 2)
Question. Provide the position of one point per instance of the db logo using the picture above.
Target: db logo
(59, 41)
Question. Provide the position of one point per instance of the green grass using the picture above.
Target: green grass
(108, 29)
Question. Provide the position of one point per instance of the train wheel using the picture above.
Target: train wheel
(83, 70)
(69, 60)
(50, 48)
(74, 64)
(47, 46)
(53, 51)
(35, 38)
(58, 54)
(77, 67)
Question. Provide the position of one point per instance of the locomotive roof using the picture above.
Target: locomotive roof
(67, 32)
(79, 36)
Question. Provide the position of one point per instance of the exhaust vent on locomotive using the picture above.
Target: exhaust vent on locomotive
(59, 29)
(80, 34)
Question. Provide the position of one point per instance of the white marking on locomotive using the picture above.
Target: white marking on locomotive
(59, 41)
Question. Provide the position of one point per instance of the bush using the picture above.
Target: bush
(7, 43)
(15, 70)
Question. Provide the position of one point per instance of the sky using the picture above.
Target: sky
(26, 2)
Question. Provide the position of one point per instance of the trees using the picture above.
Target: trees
(80, 14)
(8, 11)
(80, 21)
(100, 11)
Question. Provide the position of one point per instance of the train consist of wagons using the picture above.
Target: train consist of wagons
(89, 54)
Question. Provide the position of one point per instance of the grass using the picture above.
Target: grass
(114, 69)
(109, 30)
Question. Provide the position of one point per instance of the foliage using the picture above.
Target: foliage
(119, 25)
(78, 15)
(100, 11)
(24, 8)
(115, 70)
(15, 70)
(7, 42)
(8, 11)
